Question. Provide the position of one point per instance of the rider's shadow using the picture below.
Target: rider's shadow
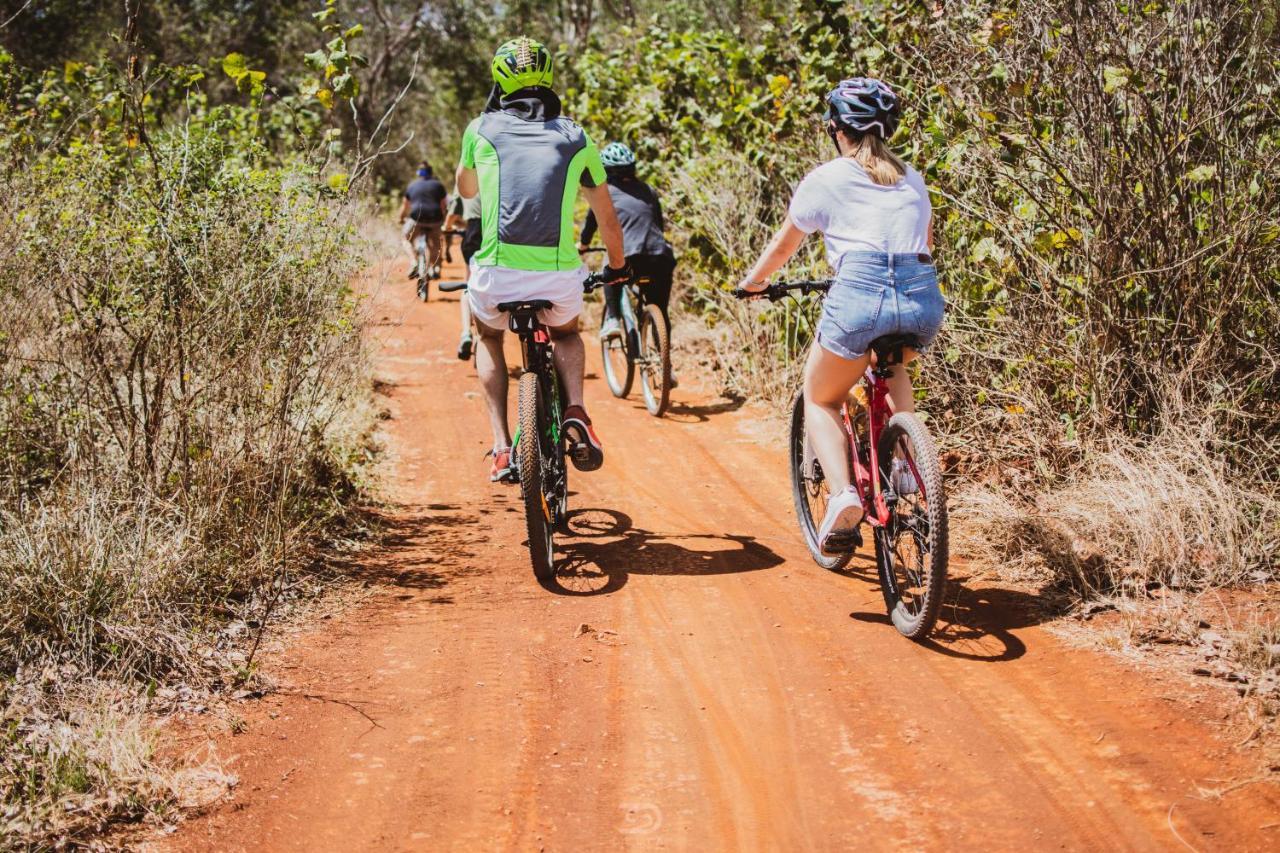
(602, 548)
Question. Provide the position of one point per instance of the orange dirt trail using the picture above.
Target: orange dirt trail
(727, 694)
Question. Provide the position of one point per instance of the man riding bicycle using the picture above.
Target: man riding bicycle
(643, 236)
(526, 162)
(422, 215)
(464, 216)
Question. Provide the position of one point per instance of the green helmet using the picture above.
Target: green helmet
(522, 62)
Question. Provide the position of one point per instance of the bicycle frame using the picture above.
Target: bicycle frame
(535, 355)
(878, 414)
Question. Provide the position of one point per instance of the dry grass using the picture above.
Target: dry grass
(185, 408)
(1170, 512)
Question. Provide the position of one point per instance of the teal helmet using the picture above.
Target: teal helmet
(522, 62)
(616, 154)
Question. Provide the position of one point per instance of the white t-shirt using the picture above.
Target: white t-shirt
(855, 214)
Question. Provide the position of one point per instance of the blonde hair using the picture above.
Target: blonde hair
(875, 156)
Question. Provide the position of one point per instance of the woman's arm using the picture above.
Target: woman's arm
(780, 249)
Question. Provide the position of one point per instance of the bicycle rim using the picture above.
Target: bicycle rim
(809, 490)
(619, 369)
(537, 511)
(912, 549)
(655, 361)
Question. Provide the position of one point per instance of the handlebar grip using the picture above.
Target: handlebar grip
(451, 286)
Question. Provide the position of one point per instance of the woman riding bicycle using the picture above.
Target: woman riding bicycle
(874, 212)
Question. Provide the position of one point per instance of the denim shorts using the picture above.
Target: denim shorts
(878, 294)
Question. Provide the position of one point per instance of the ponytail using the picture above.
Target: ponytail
(875, 156)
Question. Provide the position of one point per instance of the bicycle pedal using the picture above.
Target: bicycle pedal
(843, 543)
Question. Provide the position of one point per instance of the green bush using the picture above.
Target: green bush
(181, 380)
(1105, 216)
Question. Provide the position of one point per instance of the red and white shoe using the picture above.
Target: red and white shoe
(584, 447)
(501, 471)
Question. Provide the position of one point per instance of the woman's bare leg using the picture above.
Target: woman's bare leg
(827, 380)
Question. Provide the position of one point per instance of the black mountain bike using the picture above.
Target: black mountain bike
(645, 343)
(539, 450)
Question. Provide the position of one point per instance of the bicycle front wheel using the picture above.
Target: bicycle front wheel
(619, 369)
(912, 549)
(537, 512)
(809, 489)
(655, 361)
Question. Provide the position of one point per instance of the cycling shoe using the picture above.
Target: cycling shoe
(584, 447)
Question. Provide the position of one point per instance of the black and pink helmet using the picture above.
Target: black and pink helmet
(863, 105)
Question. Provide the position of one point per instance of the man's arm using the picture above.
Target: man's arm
(465, 182)
(610, 230)
(589, 228)
(404, 210)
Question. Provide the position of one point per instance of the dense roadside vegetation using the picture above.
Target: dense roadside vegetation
(180, 371)
(1107, 224)
(183, 408)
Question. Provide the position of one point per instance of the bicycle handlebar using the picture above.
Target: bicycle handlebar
(593, 281)
(591, 250)
(778, 290)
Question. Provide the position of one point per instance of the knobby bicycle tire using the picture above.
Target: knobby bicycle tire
(806, 491)
(619, 368)
(655, 352)
(541, 549)
(911, 530)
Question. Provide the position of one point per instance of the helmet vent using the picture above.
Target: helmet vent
(524, 55)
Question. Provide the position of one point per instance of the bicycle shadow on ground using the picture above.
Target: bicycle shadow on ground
(602, 549)
(974, 624)
(685, 413)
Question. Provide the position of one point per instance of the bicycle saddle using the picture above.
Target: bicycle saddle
(525, 306)
(888, 348)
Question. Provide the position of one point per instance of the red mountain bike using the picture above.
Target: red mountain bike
(907, 515)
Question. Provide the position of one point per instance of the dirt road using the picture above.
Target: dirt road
(694, 681)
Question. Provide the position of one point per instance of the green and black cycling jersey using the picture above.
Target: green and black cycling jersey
(529, 162)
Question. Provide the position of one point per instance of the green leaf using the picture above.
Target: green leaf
(315, 60)
(1114, 78)
(324, 15)
(339, 182)
(235, 66)
(1200, 174)
(354, 32)
(345, 86)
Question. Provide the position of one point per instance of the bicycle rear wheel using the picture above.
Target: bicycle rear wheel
(912, 549)
(809, 489)
(537, 512)
(619, 369)
(655, 361)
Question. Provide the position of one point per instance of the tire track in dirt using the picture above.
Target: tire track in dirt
(726, 694)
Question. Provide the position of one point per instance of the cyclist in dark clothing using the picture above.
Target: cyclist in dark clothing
(422, 215)
(646, 246)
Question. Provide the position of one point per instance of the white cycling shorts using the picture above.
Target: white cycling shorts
(488, 287)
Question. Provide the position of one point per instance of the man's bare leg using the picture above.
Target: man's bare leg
(491, 364)
(571, 359)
